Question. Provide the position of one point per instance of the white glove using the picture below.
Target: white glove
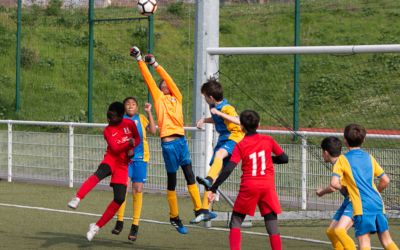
(151, 60)
(135, 53)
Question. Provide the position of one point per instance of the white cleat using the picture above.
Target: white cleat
(74, 203)
(93, 230)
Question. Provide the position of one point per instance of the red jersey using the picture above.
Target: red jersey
(255, 153)
(117, 138)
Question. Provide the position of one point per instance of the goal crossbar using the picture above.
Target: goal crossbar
(349, 49)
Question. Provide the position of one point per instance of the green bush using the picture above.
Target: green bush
(54, 8)
(29, 57)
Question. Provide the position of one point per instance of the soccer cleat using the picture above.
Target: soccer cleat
(204, 181)
(118, 227)
(93, 230)
(133, 233)
(177, 223)
(74, 203)
(204, 216)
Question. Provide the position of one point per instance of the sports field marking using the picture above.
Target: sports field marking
(167, 223)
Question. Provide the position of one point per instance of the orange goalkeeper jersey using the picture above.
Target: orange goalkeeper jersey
(168, 107)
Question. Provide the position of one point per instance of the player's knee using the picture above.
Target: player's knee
(138, 188)
(271, 223)
(236, 220)
(189, 175)
(171, 181)
(103, 171)
(119, 198)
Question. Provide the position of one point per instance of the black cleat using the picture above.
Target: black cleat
(133, 233)
(118, 227)
(206, 182)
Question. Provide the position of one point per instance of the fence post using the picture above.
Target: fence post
(71, 156)
(9, 152)
(303, 173)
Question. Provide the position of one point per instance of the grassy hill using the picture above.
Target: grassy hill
(334, 90)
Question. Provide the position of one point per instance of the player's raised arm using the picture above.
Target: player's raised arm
(148, 78)
(227, 113)
(151, 60)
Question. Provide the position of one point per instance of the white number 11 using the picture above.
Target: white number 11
(253, 157)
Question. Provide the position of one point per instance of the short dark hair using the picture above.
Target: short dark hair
(130, 98)
(213, 88)
(332, 145)
(118, 108)
(354, 134)
(249, 119)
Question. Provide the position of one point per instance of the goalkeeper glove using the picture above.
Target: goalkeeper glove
(151, 60)
(135, 53)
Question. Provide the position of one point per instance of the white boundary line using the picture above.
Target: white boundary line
(167, 223)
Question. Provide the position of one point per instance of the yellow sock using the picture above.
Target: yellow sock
(330, 232)
(215, 168)
(391, 246)
(345, 239)
(173, 204)
(137, 207)
(365, 248)
(195, 195)
(205, 205)
(121, 210)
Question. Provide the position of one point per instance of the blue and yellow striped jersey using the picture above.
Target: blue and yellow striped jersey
(358, 169)
(226, 129)
(141, 151)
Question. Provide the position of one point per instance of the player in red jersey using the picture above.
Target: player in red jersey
(257, 186)
(121, 136)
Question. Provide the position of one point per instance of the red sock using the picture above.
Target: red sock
(235, 238)
(275, 241)
(88, 185)
(111, 210)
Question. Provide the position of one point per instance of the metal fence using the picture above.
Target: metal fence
(66, 153)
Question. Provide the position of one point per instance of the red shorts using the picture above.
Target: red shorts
(252, 195)
(119, 171)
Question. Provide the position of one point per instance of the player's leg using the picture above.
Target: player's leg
(192, 187)
(119, 225)
(271, 224)
(172, 165)
(330, 233)
(383, 233)
(102, 172)
(363, 225)
(345, 222)
(216, 164)
(139, 177)
(186, 163)
(111, 210)
(235, 236)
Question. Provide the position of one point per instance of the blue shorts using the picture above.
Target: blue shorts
(175, 153)
(137, 171)
(346, 209)
(226, 144)
(364, 224)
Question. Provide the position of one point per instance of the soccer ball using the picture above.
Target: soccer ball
(147, 7)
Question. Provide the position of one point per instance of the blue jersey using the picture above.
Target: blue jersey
(141, 151)
(227, 129)
(358, 169)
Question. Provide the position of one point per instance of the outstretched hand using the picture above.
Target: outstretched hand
(151, 60)
(147, 107)
(200, 123)
(211, 196)
(135, 53)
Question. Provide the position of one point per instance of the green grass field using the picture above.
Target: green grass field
(30, 226)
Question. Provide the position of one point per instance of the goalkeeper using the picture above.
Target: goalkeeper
(168, 106)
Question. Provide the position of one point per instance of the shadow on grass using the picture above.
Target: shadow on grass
(79, 241)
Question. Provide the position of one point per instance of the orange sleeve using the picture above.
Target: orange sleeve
(170, 83)
(151, 84)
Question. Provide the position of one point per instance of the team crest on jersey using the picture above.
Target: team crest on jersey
(127, 130)
(172, 99)
(136, 122)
